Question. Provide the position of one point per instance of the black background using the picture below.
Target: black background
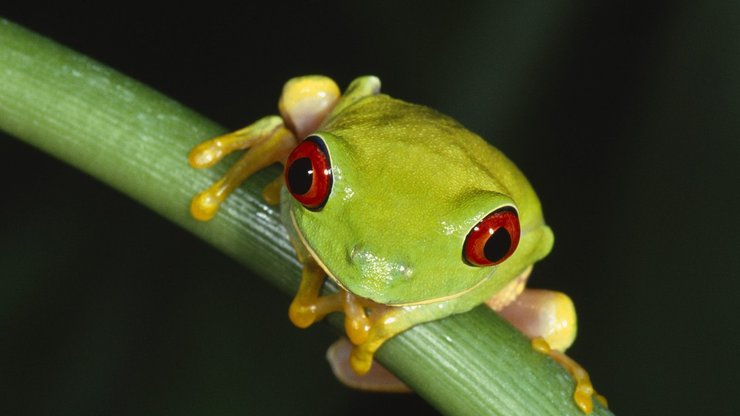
(624, 117)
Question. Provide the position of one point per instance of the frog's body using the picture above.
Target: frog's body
(388, 199)
(440, 190)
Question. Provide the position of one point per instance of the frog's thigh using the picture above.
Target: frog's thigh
(549, 319)
(306, 101)
(544, 314)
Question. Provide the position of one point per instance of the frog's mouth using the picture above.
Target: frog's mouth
(315, 257)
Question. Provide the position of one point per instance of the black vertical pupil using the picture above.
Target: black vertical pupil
(497, 245)
(300, 175)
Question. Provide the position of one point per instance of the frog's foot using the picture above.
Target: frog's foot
(366, 323)
(377, 379)
(549, 319)
(309, 306)
(304, 104)
(584, 391)
(268, 141)
(385, 323)
(353, 363)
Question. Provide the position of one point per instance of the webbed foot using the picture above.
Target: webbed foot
(304, 104)
(268, 142)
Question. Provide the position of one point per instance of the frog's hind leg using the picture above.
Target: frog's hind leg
(544, 314)
(584, 391)
(359, 88)
(306, 102)
(548, 318)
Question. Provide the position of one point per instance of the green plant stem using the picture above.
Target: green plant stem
(136, 140)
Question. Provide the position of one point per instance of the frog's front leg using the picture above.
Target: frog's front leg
(386, 322)
(268, 142)
(304, 104)
(310, 306)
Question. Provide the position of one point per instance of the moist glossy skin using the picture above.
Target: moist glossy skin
(408, 185)
(399, 205)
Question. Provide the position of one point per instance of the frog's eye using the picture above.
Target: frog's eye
(308, 173)
(493, 239)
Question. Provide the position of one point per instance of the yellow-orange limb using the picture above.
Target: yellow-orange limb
(211, 151)
(385, 324)
(268, 143)
(377, 379)
(306, 308)
(271, 193)
(309, 306)
(356, 321)
(584, 390)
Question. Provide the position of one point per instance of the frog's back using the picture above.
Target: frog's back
(426, 151)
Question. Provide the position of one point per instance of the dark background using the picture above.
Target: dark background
(624, 117)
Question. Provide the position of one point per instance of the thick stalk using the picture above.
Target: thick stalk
(136, 140)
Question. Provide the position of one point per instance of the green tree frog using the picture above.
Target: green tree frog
(414, 217)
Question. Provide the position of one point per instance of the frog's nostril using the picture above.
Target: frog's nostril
(353, 253)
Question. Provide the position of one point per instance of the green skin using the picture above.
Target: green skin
(408, 185)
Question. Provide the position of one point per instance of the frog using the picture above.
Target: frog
(411, 216)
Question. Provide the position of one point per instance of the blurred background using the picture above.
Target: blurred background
(624, 117)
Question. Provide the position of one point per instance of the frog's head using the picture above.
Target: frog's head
(401, 205)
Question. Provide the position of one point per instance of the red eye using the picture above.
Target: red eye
(308, 173)
(493, 239)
